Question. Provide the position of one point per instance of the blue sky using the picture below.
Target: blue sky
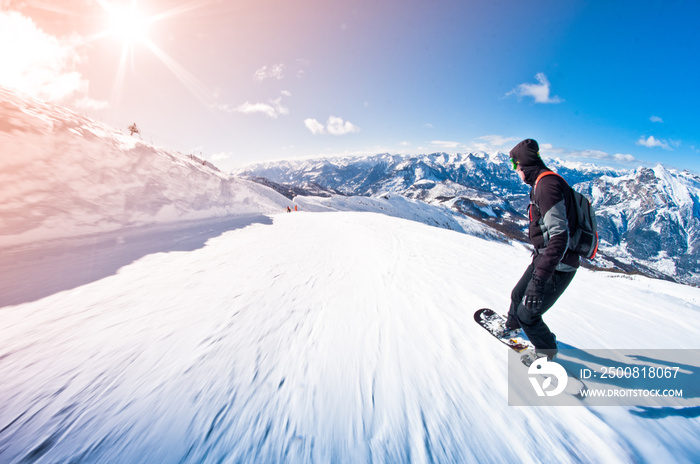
(608, 82)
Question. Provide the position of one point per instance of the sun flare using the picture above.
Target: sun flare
(129, 24)
(126, 22)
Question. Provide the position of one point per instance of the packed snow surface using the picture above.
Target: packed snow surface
(319, 337)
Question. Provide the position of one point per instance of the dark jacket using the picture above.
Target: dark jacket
(552, 218)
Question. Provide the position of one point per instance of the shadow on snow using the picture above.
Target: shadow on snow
(41, 269)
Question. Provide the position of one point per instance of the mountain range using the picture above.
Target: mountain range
(648, 218)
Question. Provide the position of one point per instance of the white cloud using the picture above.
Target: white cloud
(489, 143)
(497, 140)
(220, 156)
(337, 126)
(652, 142)
(655, 119)
(39, 64)
(597, 155)
(539, 92)
(445, 144)
(334, 126)
(91, 104)
(272, 109)
(275, 71)
(591, 154)
(314, 126)
(624, 158)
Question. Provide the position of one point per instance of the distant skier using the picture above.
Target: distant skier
(552, 216)
(133, 129)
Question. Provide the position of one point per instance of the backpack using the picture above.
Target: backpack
(584, 239)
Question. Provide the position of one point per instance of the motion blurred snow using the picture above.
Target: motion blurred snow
(343, 335)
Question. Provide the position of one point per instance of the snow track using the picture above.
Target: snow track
(323, 337)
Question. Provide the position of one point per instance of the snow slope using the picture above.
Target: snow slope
(322, 337)
(62, 175)
(400, 207)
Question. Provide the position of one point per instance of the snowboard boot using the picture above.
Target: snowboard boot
(512, 327)
(511, 333)
(550, 353)
(512, 322)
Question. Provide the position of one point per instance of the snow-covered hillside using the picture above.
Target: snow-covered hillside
(649, 219)
(400, 207)
(324, 337)
(340, 333)
(63, 175)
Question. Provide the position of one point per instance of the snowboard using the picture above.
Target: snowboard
(495, 324)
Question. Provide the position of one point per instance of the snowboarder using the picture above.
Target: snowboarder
(552, 216)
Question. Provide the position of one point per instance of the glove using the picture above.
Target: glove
(534, 293)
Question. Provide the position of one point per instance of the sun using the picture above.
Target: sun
(127, 22)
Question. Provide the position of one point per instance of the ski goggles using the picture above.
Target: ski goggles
(514, 164)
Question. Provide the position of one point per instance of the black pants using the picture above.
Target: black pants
(531, 321)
